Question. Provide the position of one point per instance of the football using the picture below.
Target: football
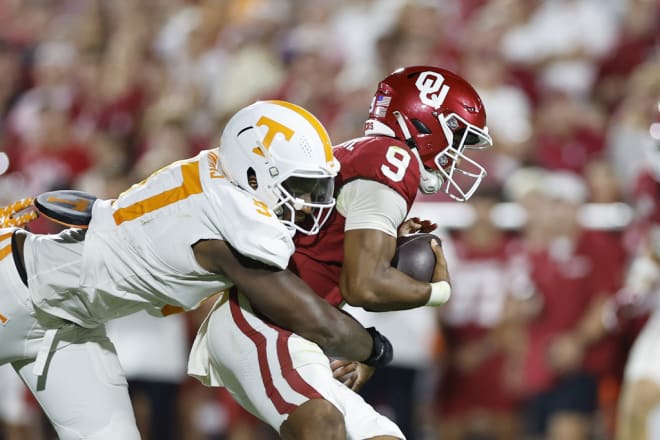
(414, 256)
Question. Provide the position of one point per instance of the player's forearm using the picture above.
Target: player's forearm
(387, 290)
(348, 343)
(368, 279)
(338, 334)
(288, 302)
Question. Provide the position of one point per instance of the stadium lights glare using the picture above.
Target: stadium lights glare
(512, 216)
(4, 162)
(654, 130)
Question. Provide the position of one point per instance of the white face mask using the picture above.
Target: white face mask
(300, 191)
(471, 172)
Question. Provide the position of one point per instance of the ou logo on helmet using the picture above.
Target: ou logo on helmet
(432, 90)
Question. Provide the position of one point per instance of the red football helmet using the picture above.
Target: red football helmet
(439, 115)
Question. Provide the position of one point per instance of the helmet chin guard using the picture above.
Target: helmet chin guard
(306, 202)
(431, 180)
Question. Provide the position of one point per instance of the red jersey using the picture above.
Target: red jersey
(318, 258)
(568, 281)
(481, 281)
(647, 198)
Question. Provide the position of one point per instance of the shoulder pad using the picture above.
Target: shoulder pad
(382, 159)
(250, 227)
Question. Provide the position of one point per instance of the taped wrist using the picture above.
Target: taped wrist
(381, 351)
(440, 293)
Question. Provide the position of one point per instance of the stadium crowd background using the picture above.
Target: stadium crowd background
(97, 94)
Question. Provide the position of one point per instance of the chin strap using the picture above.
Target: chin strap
(298, 203)
(431, 181)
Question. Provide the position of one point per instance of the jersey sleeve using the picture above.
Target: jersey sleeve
(380, 159)
(250, 227)
(368, 204)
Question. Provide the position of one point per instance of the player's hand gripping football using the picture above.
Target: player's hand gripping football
(414, 225)
(440, 272)
(352, 374)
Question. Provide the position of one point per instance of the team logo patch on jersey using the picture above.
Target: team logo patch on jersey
(381, 105)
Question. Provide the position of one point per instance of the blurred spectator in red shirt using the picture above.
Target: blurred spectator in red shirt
(569, 132)
(567, 352)
(603, 183)
(628, 141)
(50, 157)
(563, 60)
(416, 38)
(509, 113)
(638, 40)
(9, 79)
(479, 341)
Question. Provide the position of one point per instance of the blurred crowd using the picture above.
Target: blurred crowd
(97, 94)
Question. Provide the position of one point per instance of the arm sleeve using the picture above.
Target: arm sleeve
(367, 204)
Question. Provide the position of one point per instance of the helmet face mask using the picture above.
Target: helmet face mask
(306, 202)
(439, 115)
(461, 174)
(277, 151)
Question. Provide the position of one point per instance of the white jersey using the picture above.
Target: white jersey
(137, 253)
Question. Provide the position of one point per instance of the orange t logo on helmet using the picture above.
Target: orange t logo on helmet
(274, 127)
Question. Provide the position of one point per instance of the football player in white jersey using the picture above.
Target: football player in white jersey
(219, 221)
(422, 119)
(638, 415)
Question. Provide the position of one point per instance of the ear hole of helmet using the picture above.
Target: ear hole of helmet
(252, 178)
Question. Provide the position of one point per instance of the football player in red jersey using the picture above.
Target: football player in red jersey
(421, 122)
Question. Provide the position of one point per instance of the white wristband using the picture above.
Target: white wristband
(440, 293)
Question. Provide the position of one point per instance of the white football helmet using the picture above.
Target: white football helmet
(281, 154)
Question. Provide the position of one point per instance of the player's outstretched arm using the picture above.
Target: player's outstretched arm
(368, 279)
(288, 302)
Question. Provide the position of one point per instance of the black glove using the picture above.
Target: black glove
(381, 351)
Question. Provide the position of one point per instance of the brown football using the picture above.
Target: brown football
(414, 256)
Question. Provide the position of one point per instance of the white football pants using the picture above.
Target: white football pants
(271, 371)
(73, 372)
